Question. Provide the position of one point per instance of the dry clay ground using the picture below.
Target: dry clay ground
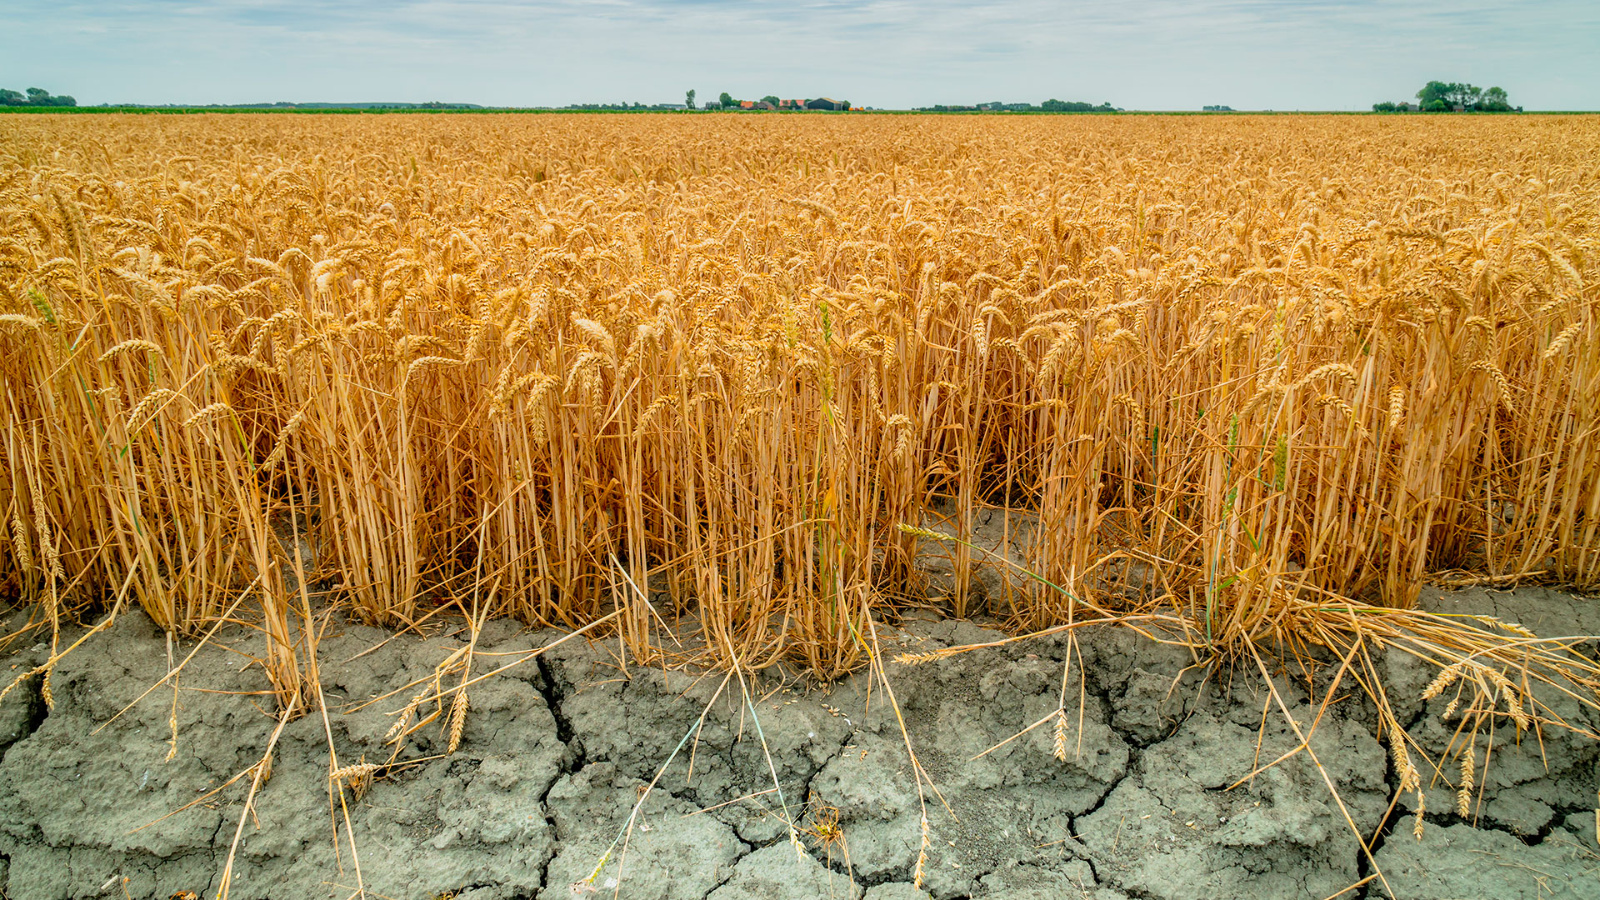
(557, 751)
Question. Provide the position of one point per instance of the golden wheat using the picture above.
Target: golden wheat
(731, 358)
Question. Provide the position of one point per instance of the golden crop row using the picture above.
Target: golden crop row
(561, 366)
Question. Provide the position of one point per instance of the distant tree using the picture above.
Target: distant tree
(771, 98)
(12, 98)
(1494, 100)
(37, 97)
(1441, 95)
(688, 99)
(727, 100)
(1450, 96)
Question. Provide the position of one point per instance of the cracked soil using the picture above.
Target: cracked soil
(557, 753)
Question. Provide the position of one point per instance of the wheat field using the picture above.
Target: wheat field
(704, 369)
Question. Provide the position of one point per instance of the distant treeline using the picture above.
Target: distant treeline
(625, 107)
(34, 97)
(1051, 105)
(283, 104)
(1452, 96)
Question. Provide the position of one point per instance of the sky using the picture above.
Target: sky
(1136, 54)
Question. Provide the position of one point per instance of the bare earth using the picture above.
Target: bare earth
(557, 751)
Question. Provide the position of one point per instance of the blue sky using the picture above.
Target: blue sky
(1138, 54)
